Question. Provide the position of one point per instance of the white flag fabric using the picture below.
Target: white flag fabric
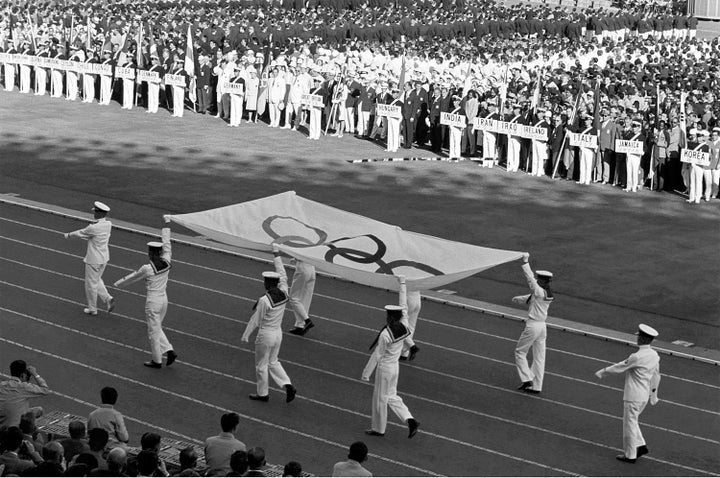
(338, 242)
(190, 65)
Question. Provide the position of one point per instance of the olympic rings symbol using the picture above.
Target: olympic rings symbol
(293, 240)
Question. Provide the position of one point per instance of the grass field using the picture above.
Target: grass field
(619, 258)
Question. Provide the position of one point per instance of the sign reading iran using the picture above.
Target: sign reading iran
(583, 140)
(533, 132)
(390, 111)
(629, 147)
(175, 80)
(700, 158)
(315, 101)
(453, 119)
(485, 124)
(149, 76)
(124, 72)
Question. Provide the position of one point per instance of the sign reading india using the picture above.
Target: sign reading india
(7, 58)
(125, 72)
(389, 111)
(629, 147)
(316, 101)
(175, 80)
(700, 158)
(453, 119)
(583, 140)
(485, 124)
(150, 76)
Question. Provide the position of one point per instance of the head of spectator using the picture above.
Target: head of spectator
(76, 428)
(77, 469)
(147, 463)
(109, 396)
(256, 458)
(87, 459)
(229, 422)
(150, 441)
(97, 439)
(358, 452)
(292, 468)
(238, 463)
(53, 452)
(27, 424)
(18, 368)
(117, 460)
(12, 439)
(188, 458)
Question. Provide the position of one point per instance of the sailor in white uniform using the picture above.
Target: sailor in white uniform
(535, 332)
(301, 293)
(156, 274)
(642, 379)
(96, 258)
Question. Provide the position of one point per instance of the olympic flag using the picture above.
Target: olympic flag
(341, 243)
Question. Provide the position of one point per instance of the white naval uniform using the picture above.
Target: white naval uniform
(88, 86)
(9, 76)
(24, 77)
(642, 378)
(301, 291)
(632, 169)
(96, 258)
(385, 362)
(587, 157)
(267, 318)
(178, 96)
(314, 128)
(153, 93)
(105, 86)
(128, 90)
(56, 80)
(489, 142)
(535, 332)
(539, 152)
(156, 301)
(40, 80)
(71, 77)
(455, 138)
(513, 150)
(414, 303)
(393, 132)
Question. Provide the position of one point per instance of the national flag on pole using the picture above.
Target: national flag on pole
(140, 59)
(12, 29)
(32, 32)
(683, 120)
(467, 84)
(190, 64)
(503, 89)
(596, 108)
(121, 46)
(263, 91)
(401, 79)
(88, 36)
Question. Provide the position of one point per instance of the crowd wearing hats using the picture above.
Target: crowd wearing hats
(538, 65)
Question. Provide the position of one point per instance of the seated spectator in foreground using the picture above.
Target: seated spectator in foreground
(109, 419)
(79, 469)
(116, 462)
(76, 443)
(16, 392)
(53, 461)
(30, 431)
(98, 440)
(238, 463)
(292, 468)
(148, 464)
(218, 449)
(12, 441)
(87, 459)
(188, 462)
(352, 467)
(148, 442)
(256, 462)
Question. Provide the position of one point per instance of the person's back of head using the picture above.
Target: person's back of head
(256, 458)
(108, 395)
(292, 468)
(150, 441)
(78, 469)
(53, 451)
(98, 439)
(18, 368)
(27, 423)
(147, 462)
(87, 459)
(12, 439)
(239, 462)
(188, 458)
(76, 428)
(117, 459)
(358, 452)
(229, 421)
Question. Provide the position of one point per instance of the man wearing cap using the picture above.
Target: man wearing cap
(384, 361)
(156, 278)
(267, 318)
(632, 161)
(712, 173)
(535, 331)
(153, 87)
(642, 378)
(106, 80)
(96, 258)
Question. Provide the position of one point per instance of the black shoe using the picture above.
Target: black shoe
(525, 385)
(291, 392)
(171, 357)
(625, 459)
(403, 358)
(642, 450)
(259, 398)
(111, 304)
(308, 325)
(413, 426)
(532, 391)
(373, 433)
(413, 351)
(296, 331)
(153, 364)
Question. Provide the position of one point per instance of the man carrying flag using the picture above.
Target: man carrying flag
(262, 96)
(190, 67)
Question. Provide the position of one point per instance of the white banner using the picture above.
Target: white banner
(354, 247)
(149, 76)
(701, 158)
(453, 119)
(125, 72)
(507, 127)
(234, 88)
(533, 132)
(7, 58)
(627, 146)
(389, 111)
(583, 140)
(175, 80)
(485, 124)
(315, 101)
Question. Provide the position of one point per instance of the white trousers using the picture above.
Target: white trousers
(455, 138)
(236, 109)
(301, 292)
(696, 183)
(155, 309)
(385, 395)
(534, 335)
(56, 78)
(267, 349)
(489, 145)
(153, 97)
(40, 81)
(128, 90)
(72, 85)
(9, 77)
(714, 184)
(539, 156)
(24, 79)
(105, 89)
(513, 154)
(88, 88)
(315, 123)
(414, 303)
(393, 136)
(94, 285)
(350, 116)
(632, 436)
(362, 123)
(178, 95)
(632, 171)
(586, 165)
(274, 114)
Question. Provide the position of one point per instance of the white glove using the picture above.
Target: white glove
(166, 218)
(600, 373)
(66, 235)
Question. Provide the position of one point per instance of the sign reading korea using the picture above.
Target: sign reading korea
(389, 111)
(485, 124)
(315, 101)
(175, 80)
(583, 140)
(149, 76)
(699, 158)
(629, 147)
(453, 119)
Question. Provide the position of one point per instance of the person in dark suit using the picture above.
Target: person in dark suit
(435, 108)
(256, 462)
(408, 118)
(204, 77)
(607, 133)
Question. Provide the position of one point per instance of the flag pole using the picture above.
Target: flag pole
(565, 137)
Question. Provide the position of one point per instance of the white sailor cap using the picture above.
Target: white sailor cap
(155, 245)
(99, 206)
(545, 274)
(647, 331)
(270, 275)
(393, 308)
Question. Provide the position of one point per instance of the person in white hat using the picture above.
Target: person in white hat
(97, 234)
(384, 361)
(535, 332)
(642, 378)
(153, 87)
(267, 318)
(156, 274)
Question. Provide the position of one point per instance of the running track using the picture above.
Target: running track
(461, 387)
